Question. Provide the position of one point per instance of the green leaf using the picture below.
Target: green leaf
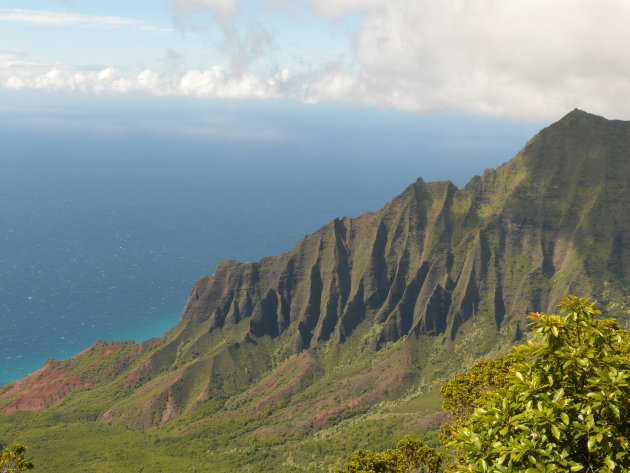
(555, 431)
(615, 409)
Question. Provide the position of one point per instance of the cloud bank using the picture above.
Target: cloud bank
(217, 82)
(526, 58)
(529, 59)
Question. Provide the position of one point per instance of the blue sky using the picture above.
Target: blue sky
(530, 60)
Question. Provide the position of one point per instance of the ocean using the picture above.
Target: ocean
(110, 210)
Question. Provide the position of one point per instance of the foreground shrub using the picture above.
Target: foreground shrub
(565, 407)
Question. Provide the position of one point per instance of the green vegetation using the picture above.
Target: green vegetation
(217, 438)
(565, 407)
(409, 456)
(465, 391)
(293, 362)
(557, 404)
(12, 459)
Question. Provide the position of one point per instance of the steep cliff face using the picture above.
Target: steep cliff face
(551, 221)
(435, 278)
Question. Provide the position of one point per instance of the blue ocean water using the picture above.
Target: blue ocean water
(110, 210)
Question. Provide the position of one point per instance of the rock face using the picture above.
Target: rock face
(436, 277)
(512, 240)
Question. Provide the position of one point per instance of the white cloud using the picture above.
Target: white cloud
(336, 8)
(225, 9)
(525, 58)
(13, 60)
(216, 82)
(53, 18)
(531, 59)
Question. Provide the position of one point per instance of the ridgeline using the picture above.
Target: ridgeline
(292, 362)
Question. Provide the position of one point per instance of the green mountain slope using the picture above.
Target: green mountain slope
(341, 341)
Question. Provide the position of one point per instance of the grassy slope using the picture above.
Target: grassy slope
(64, 442)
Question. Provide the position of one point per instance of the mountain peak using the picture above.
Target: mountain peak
(579, 116)
(580, 150)
(579, 112)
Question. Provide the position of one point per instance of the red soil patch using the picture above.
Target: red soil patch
(41, 389)
(287, 379)
(51, 383)
(360, 390)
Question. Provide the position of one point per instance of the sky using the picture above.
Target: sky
(531, 60)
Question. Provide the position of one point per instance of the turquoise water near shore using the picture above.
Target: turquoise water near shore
(103, 232)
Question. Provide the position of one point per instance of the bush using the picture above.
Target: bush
(12, 459)
(565, 407)
(409, 456)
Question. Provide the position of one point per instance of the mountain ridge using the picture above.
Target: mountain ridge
(374, 308)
